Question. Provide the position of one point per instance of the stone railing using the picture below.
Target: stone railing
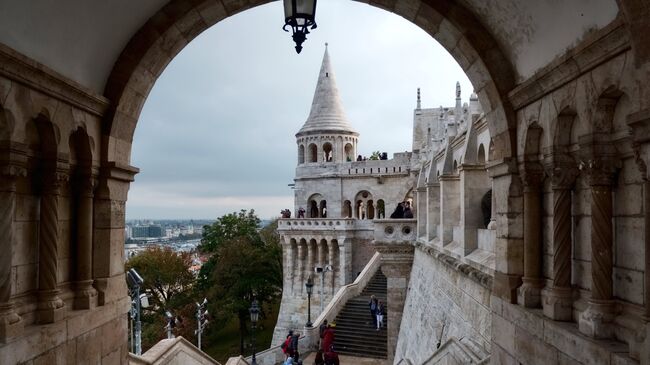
(327, 224)
(310, 336)
(395, 231)
(173, 351)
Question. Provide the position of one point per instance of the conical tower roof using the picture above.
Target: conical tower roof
(327, 113)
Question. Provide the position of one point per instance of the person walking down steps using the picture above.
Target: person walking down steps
(373, 310)
(380, 314)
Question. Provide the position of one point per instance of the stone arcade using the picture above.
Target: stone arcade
(562, 278)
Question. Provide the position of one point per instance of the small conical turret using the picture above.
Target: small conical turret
(326, 113)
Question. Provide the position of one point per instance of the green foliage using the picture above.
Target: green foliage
(246, 262)
(376, 155)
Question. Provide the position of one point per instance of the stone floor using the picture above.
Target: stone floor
(348, 360)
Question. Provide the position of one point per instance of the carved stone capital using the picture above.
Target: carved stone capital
(600, 172)
(532, 175)
(562, 176)
(53, 182)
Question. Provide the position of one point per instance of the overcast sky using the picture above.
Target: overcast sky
(217, 133)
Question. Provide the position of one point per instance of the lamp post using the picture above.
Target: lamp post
(135, 282)
(299, 15)
(254, 312)
(310, 287)
(201, 320)
(171, 323)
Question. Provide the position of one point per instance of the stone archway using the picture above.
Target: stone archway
(180, 21)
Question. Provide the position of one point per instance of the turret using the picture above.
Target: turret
(326, 136)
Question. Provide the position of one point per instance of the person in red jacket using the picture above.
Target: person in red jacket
(328, 337)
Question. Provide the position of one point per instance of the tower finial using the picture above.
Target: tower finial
(326, 44)
(457, 89)
(418, 105)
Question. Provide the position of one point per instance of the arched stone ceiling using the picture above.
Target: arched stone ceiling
(83, 39)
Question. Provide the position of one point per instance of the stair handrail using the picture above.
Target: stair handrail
(310, 335)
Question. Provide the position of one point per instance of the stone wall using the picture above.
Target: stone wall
(440, 295)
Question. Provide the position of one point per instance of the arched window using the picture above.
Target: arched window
(347, 209)
(323, 209)
(455, 167)
(313, 153)
(491, 151)
(328, 155)
(381, 209)
(349, 152)
(481, 154)
(301, 154)
(364, 205)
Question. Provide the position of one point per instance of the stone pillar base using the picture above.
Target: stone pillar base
(644, 345)
(85, 295)
(50, 307)
(557, 303)
(596, 321)
(11, 324)
(529, 293)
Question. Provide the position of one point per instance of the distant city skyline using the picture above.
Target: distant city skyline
(216, 134)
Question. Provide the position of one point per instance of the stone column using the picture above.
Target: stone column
(310, 259)
(421, 213)
(596, 320)
(493, 211)
(300, 266)
(557, 301)
(50, 307)
(287, 254)
(331, 283)
(449, 207)
(396, 263)
(85, 294)
(345, 261)
(11, 324)
(473, 181)
(529, 293)
(433, 210)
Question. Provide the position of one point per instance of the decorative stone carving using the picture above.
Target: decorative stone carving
(557, 301)
(50, 306)
(595, 320)
(11, 324)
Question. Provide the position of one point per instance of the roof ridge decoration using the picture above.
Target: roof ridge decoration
(327, 114)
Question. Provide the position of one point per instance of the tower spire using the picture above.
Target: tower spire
(326, 109)
(419, 104)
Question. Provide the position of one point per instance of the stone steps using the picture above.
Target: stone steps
(355, 333)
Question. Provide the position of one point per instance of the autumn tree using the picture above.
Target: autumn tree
(168, 283)
(244, 263)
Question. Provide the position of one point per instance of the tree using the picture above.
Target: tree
(168, 283)
(245, 263)
(376, 155)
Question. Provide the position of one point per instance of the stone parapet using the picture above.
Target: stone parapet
(173, 351)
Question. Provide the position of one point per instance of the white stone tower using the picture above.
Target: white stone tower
(326, 136)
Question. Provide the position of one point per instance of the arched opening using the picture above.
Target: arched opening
(364, 205)
(322, 209)
(381, 209)
(349, 152)
(301, 154)
(313, 153)
(347, 209)
(480, 158)
(327, 152)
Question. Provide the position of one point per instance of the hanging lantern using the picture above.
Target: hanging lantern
(299, 15)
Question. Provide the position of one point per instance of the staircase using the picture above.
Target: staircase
(355, 334)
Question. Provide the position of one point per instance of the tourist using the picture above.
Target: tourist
(331, 357)
(301, 212)
(399, 212)
(286, 345)
(373, 309)
(408, 213)
(318, 360)
(359, 158)
(322, 328)
(328, 337)
(380, 314)
(293, 346)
